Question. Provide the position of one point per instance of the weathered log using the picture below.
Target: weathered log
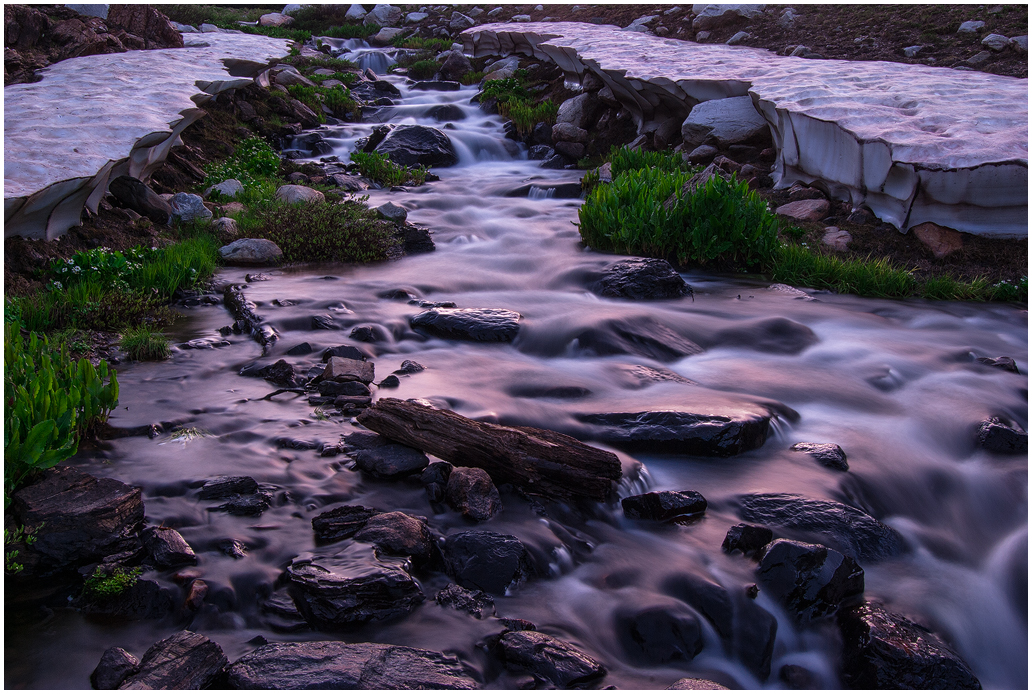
(243, 311)
(540, 461)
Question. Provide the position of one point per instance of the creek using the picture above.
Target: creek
(894, 383)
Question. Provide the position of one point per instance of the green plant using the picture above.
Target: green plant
(338, 99)
(12, 537)
(345, 77)
(384, 171)
(504, 90)
(253, 159)
(102, 586)
(416, 43)
(423, 69)
(143, 343)
(798, 265)
(471, 78)
(525, 116)
(184, 435)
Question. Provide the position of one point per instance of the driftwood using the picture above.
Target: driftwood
(243, 311)
(540, 461)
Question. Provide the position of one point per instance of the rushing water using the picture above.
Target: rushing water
(894, 383)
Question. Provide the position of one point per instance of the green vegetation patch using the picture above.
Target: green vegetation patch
(423, 69)
(385, 172)
(104, 586)
(253, 159)
(337, 99)
(143, 343)
(514, 103)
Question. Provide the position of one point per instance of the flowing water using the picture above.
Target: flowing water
(893, 382)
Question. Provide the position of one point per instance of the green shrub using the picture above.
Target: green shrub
(221, 16)
(337, 64)
(102, 586)
(525, 116)
(416, 43)
(385, 172)
(504, 90)
(423, 69)
(345, 77)
(145, 344)
(471, 78)
(338, 99)
(253, 159)
(350, 31)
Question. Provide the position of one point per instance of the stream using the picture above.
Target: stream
(894, 383)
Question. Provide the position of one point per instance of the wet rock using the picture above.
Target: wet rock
(695, 684)
(184, 660)
(251, 252)
(115, 665)
(476, 324)
(996, 436)
(847, 529)
(681, 432)
(415, 240)
(368, 333)
(643, 336)
(188, 207)
(882, 650)
(342, 369)
(1005, 363)
(660, 633)
(724, 122)
(392, 212)
(446, 113)
(323, 322)
(435, 479)
(475, 602)
(345, 351)
(246, 504)
(342, 522)
(746, 538)
(571, 150)
(225, 487)
(352, 388)
(281, 614)
(811, 580)
(455, 65)
(300, 350)
(168, 548)
(418, 145)
(338, 665)
(708, 598)
(641, 278)
(485, 560)
(471, 492)
(663, 506)
(755, 633)
(773, 335)
(351, 585)
(547, 658)
(138, 197)
(540, 153)
(399, 535)
(410, 367)
(195, 595)
(391, 381)
(805, 210)
(350, 184)
(827, 454)
(437, 86)
(281, 373)
(391, 461)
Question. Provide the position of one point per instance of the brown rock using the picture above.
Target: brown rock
(195, 595)
(941, 241)
(343, 369)
(147, 23)
(836, 239)
(805, 210)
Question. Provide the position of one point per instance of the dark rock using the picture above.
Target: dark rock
(415, 240)
(755, 633)
(1005, 363)
(710, 599)
(663, 506)
(368, 333)
(232, 548)
(684, 433)
(485, 560)
(138, 197)
(540, 135)
(516, 624)
(362, 440)
(391, 461)
(184, 660)
(471, 492)
(341, 522)
(168, 547)
(281, 614)
(476, 324)
(882, 650)
(772, 335)
(410, 367)
(798, 677)
(300, 350)
(446, 113)
(246, 504)
(391, 381)
(847, 529)
(115, 665)
(827, 454)
(811, 580)
(643, 336)
(641, 278)
(281, 373)
(323, 322)
(351, 586)
(660, 633)
(353, 388)
(556, 161)
(547, 658)
(475, 602)
(418, 145)
(747, 538)
(996, 436)
(225, 487)
(695, 684)
(541, 152)
(344, 351)
(338, 665)
(435, 479)
(146, 22)
(399, 535)
(342, 369)
(296, 444)
(143, 599)
(436, 86)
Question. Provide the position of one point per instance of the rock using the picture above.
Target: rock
(471, 491)
(805, 210)
(391, 461)
(436, 86)
(570, 150)
(399, 535)
(703, 154)
(229, 188)
(708, 598)
(520, 18)
(460, 22)
(556, 161)
(138, 197)
(343, 388)
(971, 27)
(940, 240)
(847, 529)
(418, 145)
(485, 560)
(996, 436)
(811, 580)
(659, 633)
(251, 252)
(410, 367)
(300, 349)
(716, 16)
(882, 650)
(415, 17)
(246, 504)
(385, 36)
(77, 520)
(275, 19)
(836, 239)
(578, 111)
(979, 58)
(566, 132)
(188, 207)
(351, 184)
(355, 12)
(476, 324)
(338, 665)
(225, 487)
(342, 369)
(446, 113)
(184, 660)
(1020, 44)
(435, 479)
(298, 194)
(344, 351)
(226, 228)
(703, 36)
(724, 122)
(475, 602)
(663, 506)
(384, 15)
(392, 212)
(788, 18)
(391, 381)
(547, 658)
(686, 433)
(147, 23)
(1005, 363)
(827, 454)
(168, 548)
(195, 595)
(641, 278)
(739, 37)
(695, 684)
(747, 538)
(115, 665)
(755, 633)
(912, 51)
(341, 523)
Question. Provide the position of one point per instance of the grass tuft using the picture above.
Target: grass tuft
(145, 344)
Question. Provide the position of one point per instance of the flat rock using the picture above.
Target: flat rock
(184, 660)
(342, 369)
(805, 210)
(391, 461)
(475, 602)
(225, 487)
(827, 454)
(724, 122)
(418, 145)
(251, 252)
(996, 436)
(548, 659)
(642, 336)
(392, 212)
(659, 633)
(641, 278)
(345, 351)
(476, 324)
(299, 194)
(485, 560)
(400, 535)
(836, 239)
(685, 433)
(470, 491)
(114, 667)
(695, 684)
(663, 506)
(811, 580)
(342, 522)
(1004, 363)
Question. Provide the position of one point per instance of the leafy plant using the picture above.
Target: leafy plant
(471, 78)
(504, 90)
(12, 537)
(525, 116)
(143, 343)
(423, 69)
(102, 586)
(416, 43)
(253, 159)
(385, 172)
(338, 99)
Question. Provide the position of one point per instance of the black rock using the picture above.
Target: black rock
(660, 633)
(300, 350)
(695, 684)
(540, 153)
(547, 658)
(410, 367)
(642, 336)
(446, 113)
(296, 444)
(350, 586)
(342, 522)
(556, 161)
(323, 322)
(281, 614)
(476, 324)
(346, 388)
(847, 529)
(415, 240)
(144, 599)
(485, 560)
(138, 197)
(184, 660)
(391, 381)
(399, 535)
(435, 479)
(168, 548)
(391, 461)
(232, 548)
(367, 333)
(641, 278)
(475, 602)
(663, 506)
(996, 436)
(225, 487)
(827, 454)
(281, 373)
(345, 351)
(755, 633)
(798, 677)
(882, 650)
(540, 135)
(684, 433)
(338, 665)
(710, 599)
(471, 492)
(771, 335)
(246, 504)
(418, 145)
(1005, 363)
(517, 624)
(811, 580)
(747, 538)
(399, 293)
(115, 665)
(436, 86)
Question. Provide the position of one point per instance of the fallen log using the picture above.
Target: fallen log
(537, 460)
(243, 310)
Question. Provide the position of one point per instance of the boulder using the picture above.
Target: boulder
(571, 150)
(703, 154)
(350, 585)
(685, 433)
(811, 580)
(415, 17)
(739, 37)
(643, 336)
(341, 523)
(410, 367)
(115, 665)
(827, 454)
(251, 252)
(471, 491)
(567, 132)
(188, 207)
(554, 662)
(141, 599)
(298, 194)
(399, 535)
(475, 324)
(1004, 363)
(245, 504)
(147, 23)
(351, 388)
(940, 240)
(275, 19)
(476, 602)
(435, 480)
(338, 665)
(184, 660)
(996, 436)
(345, 351)
(996, 42)
(805, 210)
(971, 27)
(342, 369)
(708, 17)
(836, 239)
(225, 487)
(168, 548)
(350, 184)
(355, 13)
(446, 113)
(746, 538)
(138, 197)
(454, 65)
(578, 111)
(229, 188)
(659, 633)
(1020, 44)
(695, 684)
(385, 36)
(225, 228)
(755, 633)
(847, 529)
(392, 461)
(392, 212)
(485, 560)
(641, 278)
(460, 22)
(882, 650)
(708, 598)
(383, 15)
(418, 145)
(663, 506)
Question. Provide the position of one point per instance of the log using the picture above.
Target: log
(243, 311)
(537, 460)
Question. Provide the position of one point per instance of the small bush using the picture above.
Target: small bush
(337, 64)
(423, 69)
(385, 172)
(504, 90)
(253, 159)
(471, 78)
(101, 586)
(345, 77)
(525, 116)
(145, 344)
(416, 43)
(338, 99)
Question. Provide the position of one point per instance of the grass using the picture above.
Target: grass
(514, 103)
(416, 43)
(337, 99)
(471, 78)
(385, 172)
(143, 343)
(423, 69)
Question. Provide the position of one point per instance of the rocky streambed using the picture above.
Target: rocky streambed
(514, 462)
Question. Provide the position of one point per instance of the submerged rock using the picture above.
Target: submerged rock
(827, 454)
(485, 560)
(811, 580)
(746, 538)
(641, 278)
(996, 436)
(659, 633)
(663, 506)
(475, 602)
(398, 534)
(225, 487)
(681, 432)
(391, 461)
(342, 522)
(476, 324)
(168, 548)
(642, 336)
(184, 660)
(708, 598)
(548, 659)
